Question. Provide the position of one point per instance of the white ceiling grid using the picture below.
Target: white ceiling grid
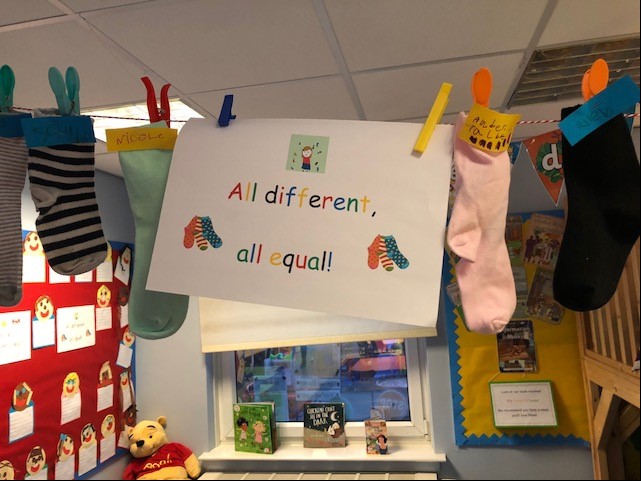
(343, 59)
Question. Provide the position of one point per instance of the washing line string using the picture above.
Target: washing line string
(520, 122)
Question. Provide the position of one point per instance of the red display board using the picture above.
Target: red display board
(66, 369)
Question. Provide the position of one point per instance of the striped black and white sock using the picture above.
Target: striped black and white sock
(62, 186)
(13, 170)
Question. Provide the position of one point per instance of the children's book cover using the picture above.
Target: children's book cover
(541, 303)
(324, 425)
(514, 239)
(376, 436)
(254, 427)
(516, 347)
(543, 240)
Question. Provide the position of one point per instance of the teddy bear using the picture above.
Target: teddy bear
(155, 457)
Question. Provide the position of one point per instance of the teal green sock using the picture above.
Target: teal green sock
(394, 253)
(152, 314)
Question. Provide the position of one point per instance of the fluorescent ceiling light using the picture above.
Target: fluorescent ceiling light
(134, 115)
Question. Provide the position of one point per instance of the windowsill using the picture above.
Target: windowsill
(292, 455)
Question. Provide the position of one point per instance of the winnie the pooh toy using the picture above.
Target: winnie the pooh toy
(157, 458)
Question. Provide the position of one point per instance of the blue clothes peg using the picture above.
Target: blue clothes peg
(67, 94)
(7, 83)
(225, 112)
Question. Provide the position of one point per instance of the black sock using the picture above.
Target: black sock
(602, 182)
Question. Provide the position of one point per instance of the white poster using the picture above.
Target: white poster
(20, 423)
(15, 336)
(75, 327)
(523, 404)
(322, 215)
(103, 318)
(85, 277)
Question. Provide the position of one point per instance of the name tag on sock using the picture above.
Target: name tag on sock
(48, 131)
(11, 125)
(607, 104)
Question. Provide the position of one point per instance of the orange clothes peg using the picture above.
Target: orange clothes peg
(156, 114)
(595, 79)
(482, 87)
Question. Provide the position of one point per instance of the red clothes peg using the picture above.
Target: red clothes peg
(156, 114)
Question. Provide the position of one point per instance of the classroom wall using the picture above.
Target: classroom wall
(172, 379)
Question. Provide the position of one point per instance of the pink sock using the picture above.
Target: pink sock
(476, 233)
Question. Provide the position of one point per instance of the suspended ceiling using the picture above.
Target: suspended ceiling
(344, 59)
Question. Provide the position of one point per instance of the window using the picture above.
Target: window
(387, 375)
(364, 375)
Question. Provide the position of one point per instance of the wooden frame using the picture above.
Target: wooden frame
(609, 343)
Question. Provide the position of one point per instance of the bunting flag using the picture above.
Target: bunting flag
(547, 159)
(513, 151)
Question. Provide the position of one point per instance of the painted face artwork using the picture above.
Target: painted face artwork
(71, 385)
(103, 297)
(21, 397)
(36, 460)
(7, 472)
(128, 337)
(124, 379)
(44, 308)
(87, 435)
(65, 447)
(108, 426)
(32, 244)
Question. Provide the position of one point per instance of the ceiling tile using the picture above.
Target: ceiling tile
(18, 11)
(576, 20)
(88, 5)
(409, 92)
(325, 98)
(202, 45)
(104, 78)
(380, 33)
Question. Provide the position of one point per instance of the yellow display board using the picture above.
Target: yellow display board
(475, 363)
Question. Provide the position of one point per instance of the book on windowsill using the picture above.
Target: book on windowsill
(376, 436)
(255, 427)
(324, 425)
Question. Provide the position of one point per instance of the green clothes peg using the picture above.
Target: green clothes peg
(67, 94)
(7, 83)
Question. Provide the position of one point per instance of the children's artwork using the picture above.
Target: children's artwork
(103, 309)
(108, 440)
(516, 347)
(541, 303)
(76, 328)
(514, 239)
(84, 277)
(105, 394)
(36, 466)
(15, 337)
(65, 462)
(55, 278)
(48, 344)
(376, 436)
(104, 272)
(70, 399)
(349, 221)
(126, 393)
(324, 425)
(44, 323)
(88, 451)
(21, 420)
(34, 267)
(543, 240)
(122, 271)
